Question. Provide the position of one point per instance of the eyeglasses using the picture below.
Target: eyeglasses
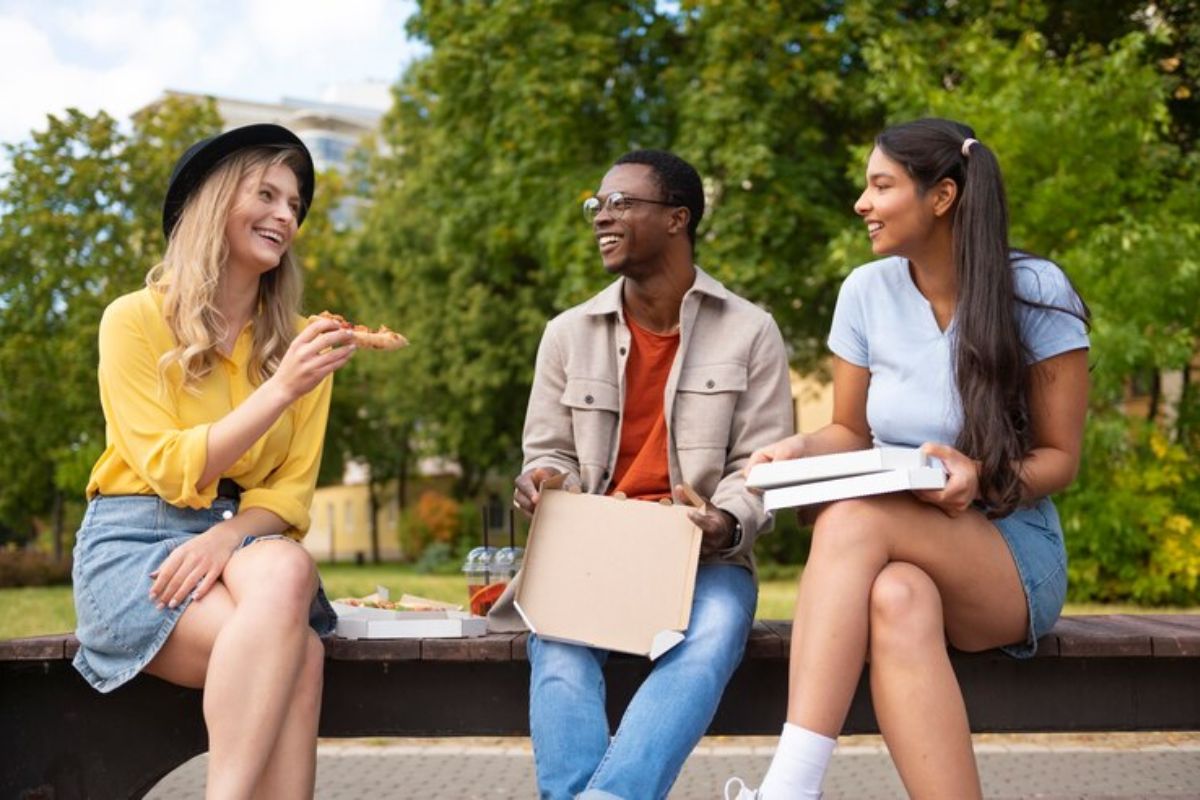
(616, 204)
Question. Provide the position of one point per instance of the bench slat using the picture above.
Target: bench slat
(36, 648)
(783, 631)
(373, 649)
(765, 642)
(1173, 635)
(519, 651)
(1047, 646)
(1079, 636)
(493, 647)
(1118, 635)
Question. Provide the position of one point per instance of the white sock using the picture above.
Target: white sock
(799, 765)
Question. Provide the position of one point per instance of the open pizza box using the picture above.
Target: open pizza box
(435, 620)
(609, 573)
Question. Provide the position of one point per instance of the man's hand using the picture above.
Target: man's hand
(716, 525)
(526, 495)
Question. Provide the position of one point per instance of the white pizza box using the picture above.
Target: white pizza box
(774, 474)
(896, 480)
(609, 573)
(358, 622)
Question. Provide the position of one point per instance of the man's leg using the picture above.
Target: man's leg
(567, 721)
(674, 706)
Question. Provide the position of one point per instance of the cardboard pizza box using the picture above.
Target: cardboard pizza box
(609, 573)
(776, 474)
(357, 622)
(893, 480)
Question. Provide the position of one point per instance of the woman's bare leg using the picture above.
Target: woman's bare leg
(247, 644)
(292, 768)
(853, 540)
(917, 700)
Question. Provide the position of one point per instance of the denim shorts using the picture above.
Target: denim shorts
(121, 541)
(1034, 536)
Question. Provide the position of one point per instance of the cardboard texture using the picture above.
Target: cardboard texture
(774, 474)
(358, 622)
(896, 480)
(609, 573)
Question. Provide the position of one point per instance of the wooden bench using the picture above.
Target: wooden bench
(61, 739)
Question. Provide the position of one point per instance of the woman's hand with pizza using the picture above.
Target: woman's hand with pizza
(321, 348)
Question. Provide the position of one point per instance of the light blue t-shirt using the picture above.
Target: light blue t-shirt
(882, 322)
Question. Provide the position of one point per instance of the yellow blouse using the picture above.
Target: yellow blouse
(157, 441)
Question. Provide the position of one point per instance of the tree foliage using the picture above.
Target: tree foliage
(79, 225)
(468, 234)
(473, 236)
(472, 239)
(1098, 182)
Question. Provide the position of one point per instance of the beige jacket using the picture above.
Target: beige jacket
(728, 394)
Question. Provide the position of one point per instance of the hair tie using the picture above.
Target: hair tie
(966, 146)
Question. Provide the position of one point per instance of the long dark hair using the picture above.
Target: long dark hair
(990, 367)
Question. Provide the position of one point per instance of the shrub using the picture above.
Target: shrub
(435, 519)
(439, 516)
(437, 558)
(1132, 518)
(786, 544)
(20, 566)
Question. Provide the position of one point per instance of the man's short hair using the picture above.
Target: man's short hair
(678, 180)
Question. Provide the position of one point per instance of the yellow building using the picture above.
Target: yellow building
(341, 529)
(812, 401)
(341, 519)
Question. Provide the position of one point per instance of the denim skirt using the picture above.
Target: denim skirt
(121, 541)
(1035, 537)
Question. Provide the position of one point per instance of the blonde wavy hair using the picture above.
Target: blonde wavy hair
(190, 273)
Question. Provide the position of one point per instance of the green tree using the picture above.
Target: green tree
(79, 225)
(470, 239)
(473, 237)
(766, 103)
(371, 418)
(1098, 182)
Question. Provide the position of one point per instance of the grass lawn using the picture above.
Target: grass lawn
(50, 609)
(32, 611)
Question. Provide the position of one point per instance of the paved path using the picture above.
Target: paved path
(1047, 767)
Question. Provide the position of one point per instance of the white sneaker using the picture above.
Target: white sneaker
(744, 792)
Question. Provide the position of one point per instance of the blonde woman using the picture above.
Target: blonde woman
(215, 401)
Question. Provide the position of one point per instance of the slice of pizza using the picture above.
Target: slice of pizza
(382, 338)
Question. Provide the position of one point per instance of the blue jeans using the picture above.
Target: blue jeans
(667, 716)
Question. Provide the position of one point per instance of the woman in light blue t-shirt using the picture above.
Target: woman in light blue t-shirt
(978, 353)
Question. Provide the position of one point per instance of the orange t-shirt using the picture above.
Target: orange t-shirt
(642, 471)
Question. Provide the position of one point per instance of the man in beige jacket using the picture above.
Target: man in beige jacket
(664, 378)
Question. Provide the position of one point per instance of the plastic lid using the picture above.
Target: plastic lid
(479, 559)
(508, 559)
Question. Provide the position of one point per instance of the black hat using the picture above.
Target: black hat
(200, 159)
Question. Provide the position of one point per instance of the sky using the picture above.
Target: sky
(118, 55)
